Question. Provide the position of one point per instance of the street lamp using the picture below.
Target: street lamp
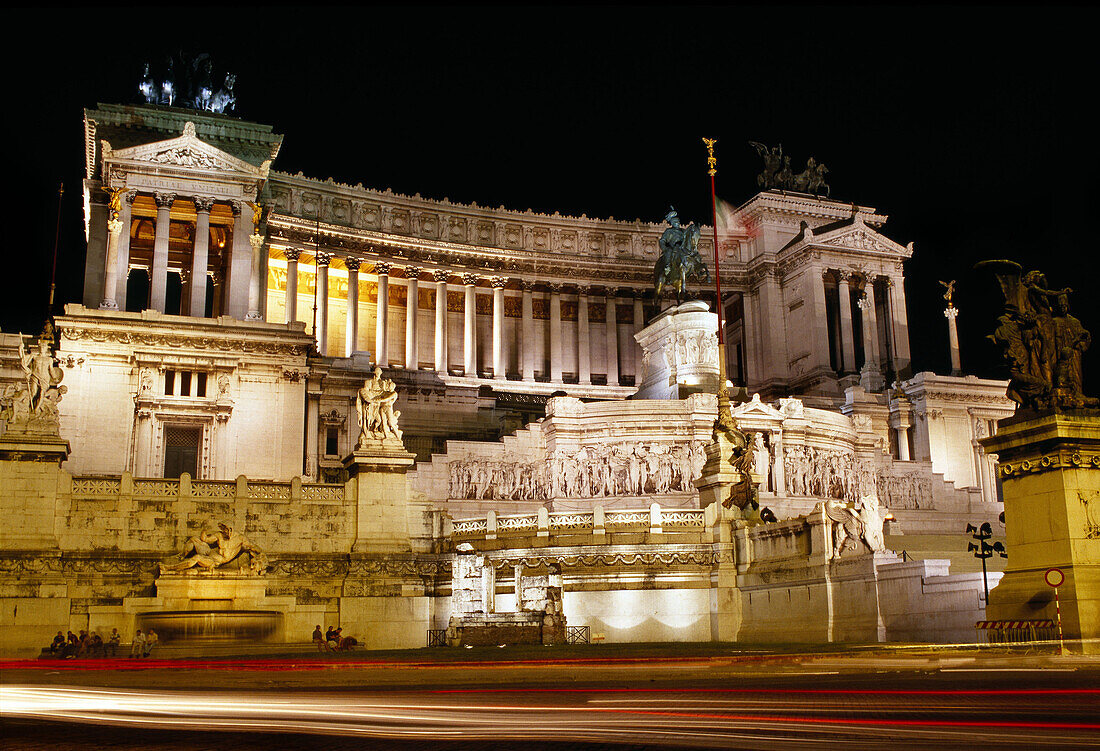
(983, 550)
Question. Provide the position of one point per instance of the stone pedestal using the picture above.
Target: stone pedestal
(679, 353)
(1049, 467)
(376, 472)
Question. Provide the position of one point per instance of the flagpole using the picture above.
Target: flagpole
(723, 392)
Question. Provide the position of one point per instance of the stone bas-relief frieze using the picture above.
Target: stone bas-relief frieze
(591, 472)
(212, 549)
(825, 473)
(911, 491)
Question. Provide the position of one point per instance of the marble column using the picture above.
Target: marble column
(951, 313)
(527, 346)
(110, 264)
(217, 277)
(779, 475)
(871, 376)
(412, 318)
(612, 340)
(903, 443)
(313, 430)
(158, 281)
(555, 333)
(200, 257)
(899, 323)
(382, 316)
(256, 277)
(291, 306)
(847, 331)
(123, 264)
(441, 278)
(240, 261)
(469, 328)
(321, 333)
(498, 283)
(351, 333)
(584, 338)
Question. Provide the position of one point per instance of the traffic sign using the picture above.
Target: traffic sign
(1055, 577)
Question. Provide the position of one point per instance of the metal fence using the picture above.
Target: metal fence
(437, 637)
(1017, 632)
(578, 635)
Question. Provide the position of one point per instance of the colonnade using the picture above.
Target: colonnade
(443, 282)
(885, 343)
(243, 268)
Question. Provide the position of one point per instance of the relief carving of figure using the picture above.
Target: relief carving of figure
(374, 407)
(848, 527)
(212, 549)
(33, 402)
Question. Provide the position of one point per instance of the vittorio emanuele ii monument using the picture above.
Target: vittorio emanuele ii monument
(286, 401)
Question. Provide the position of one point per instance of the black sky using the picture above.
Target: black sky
(972, 128)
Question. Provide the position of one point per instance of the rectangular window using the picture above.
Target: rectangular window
(332, 437)
(185, 383)
(200, 384)
(169, 382)
(181, 450)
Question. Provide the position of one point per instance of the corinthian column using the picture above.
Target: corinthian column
(351, 338)
(527, 351)
(498, 283)
(321, 333)
(122, 267)
(441, 278)
(871, 377)
(255, 277)
(412, 318)
(555, 333)
(951, 313)
(200, 258)
(158, 283)
(612, 339)
(847, 332)
(240, 262)
(382, 316)
(584, 340)
(469, 331)
(110, 266)
(292, 256)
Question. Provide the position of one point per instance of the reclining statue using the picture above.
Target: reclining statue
(212, 549)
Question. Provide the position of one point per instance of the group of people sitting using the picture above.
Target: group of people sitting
(91, 644)
(332, 640)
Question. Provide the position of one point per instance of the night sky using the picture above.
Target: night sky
(968, 127)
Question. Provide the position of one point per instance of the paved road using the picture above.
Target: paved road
(828, 701)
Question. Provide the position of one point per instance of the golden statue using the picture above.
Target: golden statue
(114, 200)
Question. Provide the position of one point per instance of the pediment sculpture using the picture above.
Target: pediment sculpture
(217, 548)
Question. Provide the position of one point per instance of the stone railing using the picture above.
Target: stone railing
(597, 523)
(241, 488)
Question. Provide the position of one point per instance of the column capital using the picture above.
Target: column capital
(292, 254)
(470, 279)
(164, 200)
(555, 287)
(256, 240)
(498, 282)
(236, 207)
(528, 285)
(888, 281)
(114, 226)
(440, 275)
(951, 312)
(610, 291)
(826, 274)
(203, 204)
(382, 268)
(130, 196)
(413, 272)
(353, 264)
(584, 289)
(323, 258)
(864, 302)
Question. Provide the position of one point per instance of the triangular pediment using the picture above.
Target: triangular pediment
(861, 237)
(756, 409)
(187, 153)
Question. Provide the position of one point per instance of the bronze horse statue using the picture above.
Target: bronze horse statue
(680, 259)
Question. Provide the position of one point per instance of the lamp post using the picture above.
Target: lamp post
(983, 550)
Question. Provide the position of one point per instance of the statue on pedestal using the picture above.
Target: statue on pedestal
(680, 259)
(31, 405)
(374, 407)
(1042, 343)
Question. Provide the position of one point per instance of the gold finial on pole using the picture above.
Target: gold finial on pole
(712, 161)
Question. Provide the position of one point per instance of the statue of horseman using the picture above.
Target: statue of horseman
(680, 259)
